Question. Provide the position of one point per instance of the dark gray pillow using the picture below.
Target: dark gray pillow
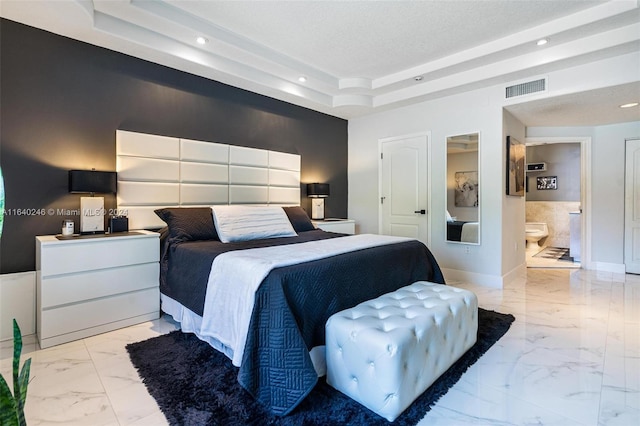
(189, 223)
(299, 219)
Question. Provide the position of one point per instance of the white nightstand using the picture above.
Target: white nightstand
(343, 226)
(87, 286)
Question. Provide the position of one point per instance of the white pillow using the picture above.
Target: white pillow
(244, 223)
(449, 218)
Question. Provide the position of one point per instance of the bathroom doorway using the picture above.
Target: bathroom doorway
(556, 202)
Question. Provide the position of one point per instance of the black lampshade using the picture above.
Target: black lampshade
(92, 181)
(317, 190)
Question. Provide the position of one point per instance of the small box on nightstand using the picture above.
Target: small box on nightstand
(118, 224)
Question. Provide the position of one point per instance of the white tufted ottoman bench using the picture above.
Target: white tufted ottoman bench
(386, 352)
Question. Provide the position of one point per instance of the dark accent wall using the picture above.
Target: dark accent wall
(62, 100)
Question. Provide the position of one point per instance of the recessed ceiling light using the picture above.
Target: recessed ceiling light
(302, 79)
(629, 105)
(201, 40)
(542, 41)
(418, 78)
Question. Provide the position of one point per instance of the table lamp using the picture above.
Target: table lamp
(92, 208)
(317, 192)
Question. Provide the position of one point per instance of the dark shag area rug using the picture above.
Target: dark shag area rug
(195, 385)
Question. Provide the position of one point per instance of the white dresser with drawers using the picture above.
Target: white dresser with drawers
(90, 285)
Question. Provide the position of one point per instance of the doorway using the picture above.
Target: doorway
(557, 202)
(404, 186)
(632, 207)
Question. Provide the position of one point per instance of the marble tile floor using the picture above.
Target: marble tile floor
(572, 357)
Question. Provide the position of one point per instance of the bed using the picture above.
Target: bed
(291, 304)
(179, 183)
(466, 232)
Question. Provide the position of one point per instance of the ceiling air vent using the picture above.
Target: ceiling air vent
(526, 88)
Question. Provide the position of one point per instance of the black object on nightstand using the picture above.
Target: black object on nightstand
(118, 224)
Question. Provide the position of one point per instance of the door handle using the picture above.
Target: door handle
(423, 211)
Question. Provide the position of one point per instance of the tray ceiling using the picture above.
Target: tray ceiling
(358, 57)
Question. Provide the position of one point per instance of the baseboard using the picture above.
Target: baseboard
(472, 277)
(17, 300)
(519, 271)
(616, 268)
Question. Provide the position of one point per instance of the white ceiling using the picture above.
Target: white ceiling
(363, 56)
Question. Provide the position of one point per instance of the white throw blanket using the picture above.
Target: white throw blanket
(236, 275)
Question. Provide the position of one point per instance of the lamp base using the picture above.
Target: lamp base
(92, 215)
(317, 208)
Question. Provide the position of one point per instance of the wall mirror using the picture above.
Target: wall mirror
(463, 189)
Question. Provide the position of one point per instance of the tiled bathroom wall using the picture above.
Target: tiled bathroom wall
(556, 215)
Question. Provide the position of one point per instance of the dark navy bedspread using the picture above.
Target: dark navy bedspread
(293, 304)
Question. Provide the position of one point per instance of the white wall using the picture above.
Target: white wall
(477, 111)
(607, 184)
(513, 210)
(501, 252)
(17, 300)
(563, 161)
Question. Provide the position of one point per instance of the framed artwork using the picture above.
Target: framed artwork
(466, 189)
(547, 182)
(515, 167)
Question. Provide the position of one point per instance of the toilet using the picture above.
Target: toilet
(535, 231)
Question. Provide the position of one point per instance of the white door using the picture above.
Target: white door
(403, 187)
(632, 208)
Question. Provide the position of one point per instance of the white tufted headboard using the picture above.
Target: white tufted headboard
(160, 171)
